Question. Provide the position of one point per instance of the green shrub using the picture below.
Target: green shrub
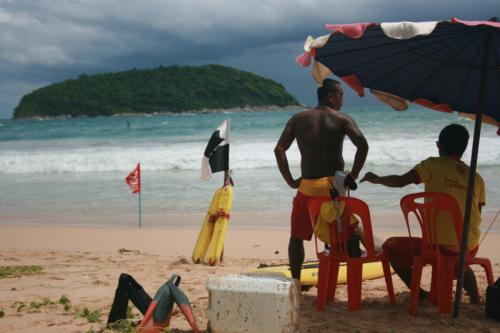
(65, 302)
(91, 316)
(17, 271)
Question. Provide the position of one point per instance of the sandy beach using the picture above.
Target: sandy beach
(83, 263)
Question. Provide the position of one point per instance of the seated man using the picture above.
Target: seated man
(448, 174)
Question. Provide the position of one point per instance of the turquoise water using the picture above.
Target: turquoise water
(74, 169)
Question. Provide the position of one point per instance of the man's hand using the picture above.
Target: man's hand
(350, 182)
(296, 183)
(369, 177)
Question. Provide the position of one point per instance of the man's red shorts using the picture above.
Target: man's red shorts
(301, 224)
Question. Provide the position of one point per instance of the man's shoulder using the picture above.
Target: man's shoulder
(430, 160)
(428, 165)
(433, 159)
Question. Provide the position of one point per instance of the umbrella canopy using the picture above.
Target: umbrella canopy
(434, 64)
(447, 66)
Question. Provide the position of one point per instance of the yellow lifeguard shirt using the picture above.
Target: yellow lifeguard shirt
(451, 176)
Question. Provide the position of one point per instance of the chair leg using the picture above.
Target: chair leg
(388, 280)
(489, 272)
(433, 295)
(446, 272)
(332, 280)
(416, 276)
(323, 277)
(354, 274)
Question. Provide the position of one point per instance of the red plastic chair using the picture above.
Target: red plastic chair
(329, 262)
(443, 267)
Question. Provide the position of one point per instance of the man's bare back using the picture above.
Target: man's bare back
(320, 134)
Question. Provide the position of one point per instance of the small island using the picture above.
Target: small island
(164, 89)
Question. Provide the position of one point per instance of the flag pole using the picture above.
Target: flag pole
(140, 215)
(133, 181)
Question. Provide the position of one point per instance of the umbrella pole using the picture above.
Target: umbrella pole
(472, 178)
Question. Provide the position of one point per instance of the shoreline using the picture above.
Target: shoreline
(266, 108)
(386, 221)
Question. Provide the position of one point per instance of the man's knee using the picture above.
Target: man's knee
(296, 241)
(390, 245)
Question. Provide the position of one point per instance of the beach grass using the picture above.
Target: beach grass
(92, 316)
(18, 271)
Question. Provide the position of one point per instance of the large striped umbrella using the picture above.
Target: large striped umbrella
(443, 65)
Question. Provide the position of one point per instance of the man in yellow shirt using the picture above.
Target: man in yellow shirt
(448, 174)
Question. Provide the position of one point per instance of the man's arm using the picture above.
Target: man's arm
(284, 142)
(358, 139)
(411, 177)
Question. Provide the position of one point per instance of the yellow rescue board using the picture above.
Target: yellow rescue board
(213, 231)
(309, 273)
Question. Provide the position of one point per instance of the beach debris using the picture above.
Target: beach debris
(18, 305)
(127, 251)
(181, 260)
(276, 252)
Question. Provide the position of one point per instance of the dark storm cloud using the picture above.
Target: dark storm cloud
(45, 41)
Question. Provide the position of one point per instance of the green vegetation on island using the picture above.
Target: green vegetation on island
(163, 89)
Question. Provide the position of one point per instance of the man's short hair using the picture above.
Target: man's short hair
(453, 139)
(328, 86)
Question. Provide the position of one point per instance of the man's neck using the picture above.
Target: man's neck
(326, 106)
(455, 157)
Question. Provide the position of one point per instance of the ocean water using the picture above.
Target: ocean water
(73, 170)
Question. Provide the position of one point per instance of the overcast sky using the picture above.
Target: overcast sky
(47, 41)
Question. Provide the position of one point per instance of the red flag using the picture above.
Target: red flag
(134, 179)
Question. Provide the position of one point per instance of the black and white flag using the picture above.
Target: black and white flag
(216, 156)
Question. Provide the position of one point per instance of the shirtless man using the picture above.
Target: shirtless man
(320, 134)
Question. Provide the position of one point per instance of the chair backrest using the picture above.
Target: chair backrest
(427, 212)
(353, 208)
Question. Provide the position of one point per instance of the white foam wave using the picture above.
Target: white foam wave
(187, 156)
